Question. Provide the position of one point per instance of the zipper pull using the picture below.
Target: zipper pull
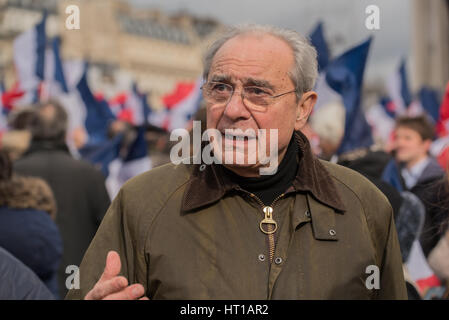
(268, 220)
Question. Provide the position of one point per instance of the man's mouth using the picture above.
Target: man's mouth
(236, 137)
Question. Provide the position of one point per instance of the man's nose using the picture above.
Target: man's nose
(235, 109)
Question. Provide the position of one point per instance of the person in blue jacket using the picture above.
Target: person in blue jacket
(18, 282)
(27, 229)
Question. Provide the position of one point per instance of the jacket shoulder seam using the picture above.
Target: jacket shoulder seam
(159, 212)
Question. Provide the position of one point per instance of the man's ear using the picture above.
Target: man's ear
(304, 108)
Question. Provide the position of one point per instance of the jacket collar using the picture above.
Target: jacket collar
(46, 145)
(209, 183)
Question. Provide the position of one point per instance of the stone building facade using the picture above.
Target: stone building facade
(122, 43)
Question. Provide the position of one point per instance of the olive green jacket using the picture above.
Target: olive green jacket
(187, 232)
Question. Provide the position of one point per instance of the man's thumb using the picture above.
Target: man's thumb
(113, 266)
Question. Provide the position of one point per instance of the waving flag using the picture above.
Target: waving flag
(392, 175)
(98, 113)
(440, 147)
(319, 42)
(430, 103)
(135, 163)
(131, 107)
(137, 103)
(3, 110)
(182, 104)
(419, 270)
(326, 94)
(72, 72)
(29, 58)
(344, 75)
(388, 106)
(158, 118)
(118, 106)
(443, 121)
(55, 83)
(381, 119)
(398, 89)
(10, 98)
(60, 83)
(103, 154)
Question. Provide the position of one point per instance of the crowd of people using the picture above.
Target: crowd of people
(418, 195)
(52, 201)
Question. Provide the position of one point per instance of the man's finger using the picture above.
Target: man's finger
(107, 287)
(133, 292)
(113, 266)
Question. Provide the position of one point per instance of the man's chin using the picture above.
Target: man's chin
(402, 158)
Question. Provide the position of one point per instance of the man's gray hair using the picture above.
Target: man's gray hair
(305, 70)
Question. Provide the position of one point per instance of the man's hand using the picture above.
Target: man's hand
(114, 287)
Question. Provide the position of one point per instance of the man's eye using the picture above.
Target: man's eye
(256, 91)
(220, 87)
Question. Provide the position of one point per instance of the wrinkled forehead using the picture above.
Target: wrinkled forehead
(253, 56)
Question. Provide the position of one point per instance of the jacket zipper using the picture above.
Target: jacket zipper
(269, 221)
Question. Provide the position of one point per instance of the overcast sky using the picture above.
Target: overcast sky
(344, 22)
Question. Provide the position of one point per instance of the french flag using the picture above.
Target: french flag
(398, 89)
(392, 175)
(137, 103)
(98, 112)
(118, 107)
(29, 60)
(419, 270)
(443, 119)
(381, 118)
(59, 83)
(318, 40)
(134, 163)
(55, 83)
(3, 110)
(131, 107)
(430, 103)
(159, 118)
(426, 103)
(440, 147)
(182, 104)
(102, 155)
(326, 94)
(10, 98)
(341, 81)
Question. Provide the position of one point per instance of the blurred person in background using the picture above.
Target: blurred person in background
(18, 282)
(27, 229)
(17, 139)
(439, 256)
(79, 188)
(421, 174)
(328, 123)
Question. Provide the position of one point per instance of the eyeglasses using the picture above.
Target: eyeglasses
(219, 93)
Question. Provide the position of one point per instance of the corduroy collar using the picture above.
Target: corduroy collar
(209, 185)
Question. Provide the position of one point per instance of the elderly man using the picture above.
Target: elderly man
(311, 230)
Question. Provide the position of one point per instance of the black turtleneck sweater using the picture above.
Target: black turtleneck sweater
(268, 187)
